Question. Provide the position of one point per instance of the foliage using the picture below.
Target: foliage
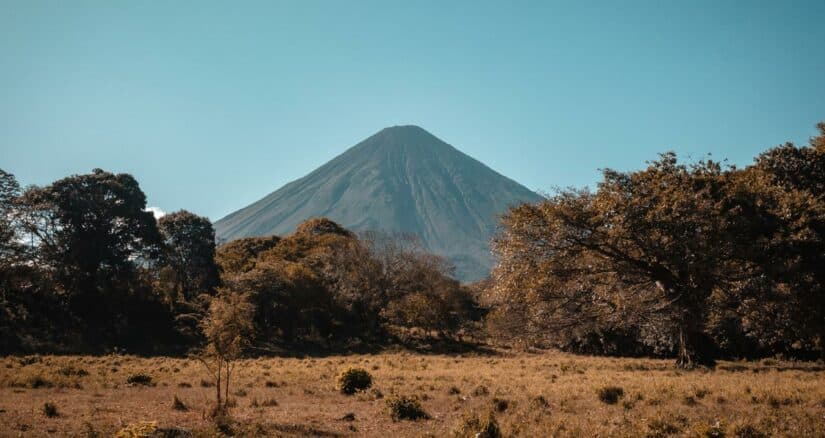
(78, 277)
(190, 253)
(676, 256)
(228, 330)
(50, 410)
(610, 394)
(323, 286)
(406, 408)
(472, 426)
(240, 255)
(693, 260)
(139, 379)
(352, 380)
(138, 430)
(10, 247)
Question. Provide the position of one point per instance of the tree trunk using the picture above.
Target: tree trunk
(226, 398)
(693, 350)
(218, 384)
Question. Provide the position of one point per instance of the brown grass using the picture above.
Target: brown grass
(529, 394)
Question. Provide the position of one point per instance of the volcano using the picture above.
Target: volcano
(401, 179)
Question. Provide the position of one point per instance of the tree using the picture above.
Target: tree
(647, 249)
(91, 233)
(240, 255)
(91, 228)
(228, 330)
(291, 303)
(791, 183)
(190, 253)
(419, 289)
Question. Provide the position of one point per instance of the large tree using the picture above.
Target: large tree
(90, 234)
(791, 182)
(647, 249)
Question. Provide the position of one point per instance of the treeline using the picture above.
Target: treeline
(85, 268)
(696, 260)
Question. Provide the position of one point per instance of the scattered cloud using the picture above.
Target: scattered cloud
(156, 211)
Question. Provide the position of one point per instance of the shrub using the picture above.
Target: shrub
(29, 360)
(660, 428)
(453, 390)
(50, 410)
(701, 392)
(270, 402)
(137, 430)
(352, 380)
(215, 411)
(610, 394)
(473, 427)
(225, 423)
(184, 385)
(72, 371)
(481, 391)
(665, 426)
(178, 405)
(89, 431)
(35, 382)
(500, 405)
(711, 430)
(406, 408)
(748, 431)
(207, 383)
(139, 379)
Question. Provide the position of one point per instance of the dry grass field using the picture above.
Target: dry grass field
(529, 394)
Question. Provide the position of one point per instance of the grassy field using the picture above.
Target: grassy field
(529, 394)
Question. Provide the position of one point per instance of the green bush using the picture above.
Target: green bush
(352, 380)
(406, 408)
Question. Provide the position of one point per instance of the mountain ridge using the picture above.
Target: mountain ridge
(400, 179)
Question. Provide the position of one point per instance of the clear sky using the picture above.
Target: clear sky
(212, 105)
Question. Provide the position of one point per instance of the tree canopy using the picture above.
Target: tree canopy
(667, 252)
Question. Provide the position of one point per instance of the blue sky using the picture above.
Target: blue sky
(212, 105)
